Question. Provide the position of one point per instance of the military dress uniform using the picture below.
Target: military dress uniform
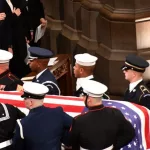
(8, 116)
(9, 81)
(139, 94)
(85, 60)
(45, 76)
(101, 127)
(48, 79)
(44, 128)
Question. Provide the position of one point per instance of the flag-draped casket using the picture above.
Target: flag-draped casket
(137, 115)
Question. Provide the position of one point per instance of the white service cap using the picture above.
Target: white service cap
(34, 90)
(85, 59)
(5, 56)
(93, 88)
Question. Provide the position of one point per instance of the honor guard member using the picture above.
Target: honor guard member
(8, 118)
(133, 70)
(44, 76)
(83, 69)
(8, 81)
(101, 128)
(44, 128)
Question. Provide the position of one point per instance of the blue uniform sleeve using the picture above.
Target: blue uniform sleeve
(18, 142)
(145, 100)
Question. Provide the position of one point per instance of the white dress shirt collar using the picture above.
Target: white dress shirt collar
(39, 74)
(79, 80)
(134, 84)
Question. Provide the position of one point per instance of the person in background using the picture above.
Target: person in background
(17, 32)
(8, 81)
(2, 18)
(137, 92)
(4, 27)
(43, 74)
(83, 69)
(101, 127)
(36, 17)
(44, 128)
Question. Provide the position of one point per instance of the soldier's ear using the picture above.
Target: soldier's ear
(81, 70)
(89, 100)
(31, 103)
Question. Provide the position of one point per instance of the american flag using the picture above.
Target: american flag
(137, 115)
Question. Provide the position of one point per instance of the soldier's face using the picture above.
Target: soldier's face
(33, 65)
(27, 103)
(77, 70)
(129, 74)
(4, 67)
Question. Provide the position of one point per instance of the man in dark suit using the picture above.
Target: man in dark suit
(44, 128)
(133, 70)
(2, 17)
(36, 17)
(83, 69)
(3, 26)
(101, 127)
(8, 81)
(43, 74)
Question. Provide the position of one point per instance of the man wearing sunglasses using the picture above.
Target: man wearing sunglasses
(133, 70)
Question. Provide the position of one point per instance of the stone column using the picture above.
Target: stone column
(71, 30)
(89, 13)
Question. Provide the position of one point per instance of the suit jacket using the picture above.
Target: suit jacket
(100, 128)
(16, 32)
(48, 79)
(36, 12)
(5, 26)
(10, 81)
(139, 95)
(43, 129)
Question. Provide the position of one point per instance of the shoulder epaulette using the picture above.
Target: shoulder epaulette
(144, 89)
